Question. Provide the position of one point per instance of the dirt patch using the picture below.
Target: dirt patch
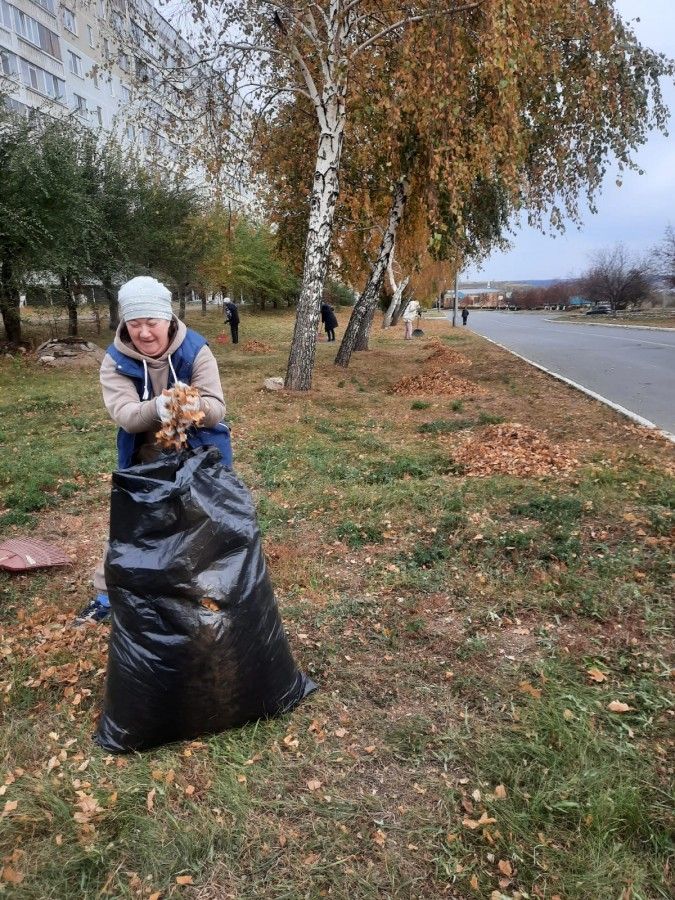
(258, 347)
(71, 352)
(514, 449)
(439, 382)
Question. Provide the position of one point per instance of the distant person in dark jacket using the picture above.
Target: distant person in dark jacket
(465, 315)
(232, 317)
(329, 319)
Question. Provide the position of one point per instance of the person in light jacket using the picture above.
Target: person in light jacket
(152, 351)
(410, 314)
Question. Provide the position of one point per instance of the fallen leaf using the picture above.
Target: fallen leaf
(150, 800)
(568, 715)
(241, 779)
(156, 896)
(190, 789)
(478, 823)
(505, 867)
(11, 876)
(596, 675)
(379, 837)
(370, 749)
(311, 859)
(474, 882)
(313, 784)
(527, 688)
(500, 792)
(340, 732)
(184, 879)
(617, 706)
(10, 806)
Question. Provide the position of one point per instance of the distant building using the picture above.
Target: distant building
(476, 298)
(94, 61)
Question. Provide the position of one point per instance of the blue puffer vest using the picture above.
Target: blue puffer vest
(182, 361)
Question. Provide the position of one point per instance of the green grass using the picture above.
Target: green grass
(423, 601)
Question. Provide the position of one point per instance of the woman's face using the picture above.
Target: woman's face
(149, 336)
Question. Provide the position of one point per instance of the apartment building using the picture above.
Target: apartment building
(99, 61)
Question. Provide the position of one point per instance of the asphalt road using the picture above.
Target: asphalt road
(629, 366)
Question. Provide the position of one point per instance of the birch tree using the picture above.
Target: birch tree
(311, 49)
(512, 106)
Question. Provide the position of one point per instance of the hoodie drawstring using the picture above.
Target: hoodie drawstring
(173, 371)
(146, 392)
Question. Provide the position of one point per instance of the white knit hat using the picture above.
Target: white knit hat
(144, 298)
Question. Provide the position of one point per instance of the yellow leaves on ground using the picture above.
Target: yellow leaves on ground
(10, 875)
(616, 706)
(505, 867)
(88, 808)
(473, 824)
(313, 784)
(150, 800)
(526, 688)
(184, 879)
(596, 675)
(500, 792)
(379, 837)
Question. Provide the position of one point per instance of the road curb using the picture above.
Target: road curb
(612, 325)
(634, 417)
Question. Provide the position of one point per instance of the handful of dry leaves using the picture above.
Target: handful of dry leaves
(183, 407)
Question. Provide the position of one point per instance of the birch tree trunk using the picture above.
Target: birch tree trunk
(318, 245)
(396, 293)
(361, 318)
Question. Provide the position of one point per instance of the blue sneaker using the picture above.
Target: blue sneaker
(96, 611)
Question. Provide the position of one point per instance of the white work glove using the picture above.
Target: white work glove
(162, 406)
(165, 399)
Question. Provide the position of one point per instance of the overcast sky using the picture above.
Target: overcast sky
(635, 214)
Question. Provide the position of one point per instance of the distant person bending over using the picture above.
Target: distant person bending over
(232, 317)
(152, 351)
(410, 314)
(329, 319)
(465, 315)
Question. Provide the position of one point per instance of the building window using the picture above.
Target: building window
(131, 132)
(101, 9)
(5, 15)
(99, 115)
(40, 80)
(90, 35)
(31, 30)
(74, 63)
(94, 78)
(123, 62)
(47, 4)
(126, 94)
(69, 20)
(8, 63)
(80, 104)
(106, 48)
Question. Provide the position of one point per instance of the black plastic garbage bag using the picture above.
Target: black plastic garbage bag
(183, 533)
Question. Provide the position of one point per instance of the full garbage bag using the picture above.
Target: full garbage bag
(197, 644)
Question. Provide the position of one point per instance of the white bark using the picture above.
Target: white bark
(396, 293)
(356, 334)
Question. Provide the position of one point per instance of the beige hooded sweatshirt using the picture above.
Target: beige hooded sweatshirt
(140, 416)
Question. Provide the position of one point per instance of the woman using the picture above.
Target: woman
(412, 311)
(329, 319)
(153, 351)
